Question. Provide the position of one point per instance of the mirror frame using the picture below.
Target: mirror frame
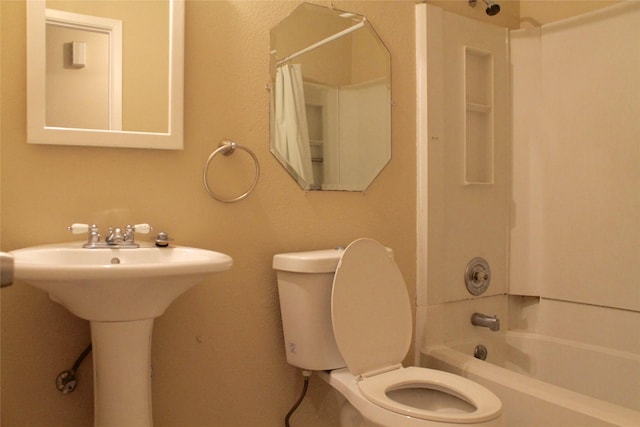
(39, 133)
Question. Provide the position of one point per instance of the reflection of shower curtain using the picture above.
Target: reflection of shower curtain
(291, 131)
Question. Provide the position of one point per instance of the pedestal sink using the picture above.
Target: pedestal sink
(120, 291)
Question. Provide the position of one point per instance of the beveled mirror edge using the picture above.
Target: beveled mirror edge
(39, 133)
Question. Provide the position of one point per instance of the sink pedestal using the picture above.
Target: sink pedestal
(122, 373)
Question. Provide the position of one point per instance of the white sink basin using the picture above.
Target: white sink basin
(121, 291)
(115, 284)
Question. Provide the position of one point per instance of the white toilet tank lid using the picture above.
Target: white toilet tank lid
(370, 309)
(322, 261)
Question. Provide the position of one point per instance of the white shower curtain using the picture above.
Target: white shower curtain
(291, 130)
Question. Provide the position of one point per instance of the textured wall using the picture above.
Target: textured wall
(218, 355)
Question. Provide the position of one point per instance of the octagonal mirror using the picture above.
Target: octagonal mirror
(330, 99)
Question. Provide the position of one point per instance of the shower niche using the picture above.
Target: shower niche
(478, 138)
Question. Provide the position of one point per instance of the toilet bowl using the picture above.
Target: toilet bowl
(371, 415)
(347, 312)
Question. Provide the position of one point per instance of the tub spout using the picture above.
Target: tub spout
(491, 322)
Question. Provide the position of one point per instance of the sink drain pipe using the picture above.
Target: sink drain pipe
(67, 381)
(306, 374)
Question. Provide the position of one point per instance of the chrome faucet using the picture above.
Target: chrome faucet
(491, 322)
(116, 239)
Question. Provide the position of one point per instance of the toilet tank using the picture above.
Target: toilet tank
(305, 280)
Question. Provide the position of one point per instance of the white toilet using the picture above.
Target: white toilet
(347, 312)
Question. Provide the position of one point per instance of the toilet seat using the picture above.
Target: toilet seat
(372, 324)
(487, 405)
(370, 309)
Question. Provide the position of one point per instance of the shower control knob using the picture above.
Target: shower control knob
(477, 276)
(480, 276)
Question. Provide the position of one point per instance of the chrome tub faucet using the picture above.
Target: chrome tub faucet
(491, 322)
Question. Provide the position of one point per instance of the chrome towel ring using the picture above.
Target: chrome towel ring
(227, 147)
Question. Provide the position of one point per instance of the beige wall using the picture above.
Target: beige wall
(218, 353)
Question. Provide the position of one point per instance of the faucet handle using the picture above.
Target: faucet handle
(6, 269)
(81, 228)
(142, 228)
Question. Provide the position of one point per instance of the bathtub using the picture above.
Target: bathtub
(546, 381)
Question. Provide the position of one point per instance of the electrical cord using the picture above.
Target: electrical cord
(306, 375)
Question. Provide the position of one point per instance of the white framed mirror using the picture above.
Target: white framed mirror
(330, 99)
(105, 73)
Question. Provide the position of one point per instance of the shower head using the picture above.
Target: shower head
(493, 8)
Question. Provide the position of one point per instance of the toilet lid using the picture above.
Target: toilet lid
(370, 309)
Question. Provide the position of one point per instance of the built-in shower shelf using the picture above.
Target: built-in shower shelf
(478, 108)
(478, 138)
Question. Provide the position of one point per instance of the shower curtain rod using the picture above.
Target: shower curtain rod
(323, 42)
